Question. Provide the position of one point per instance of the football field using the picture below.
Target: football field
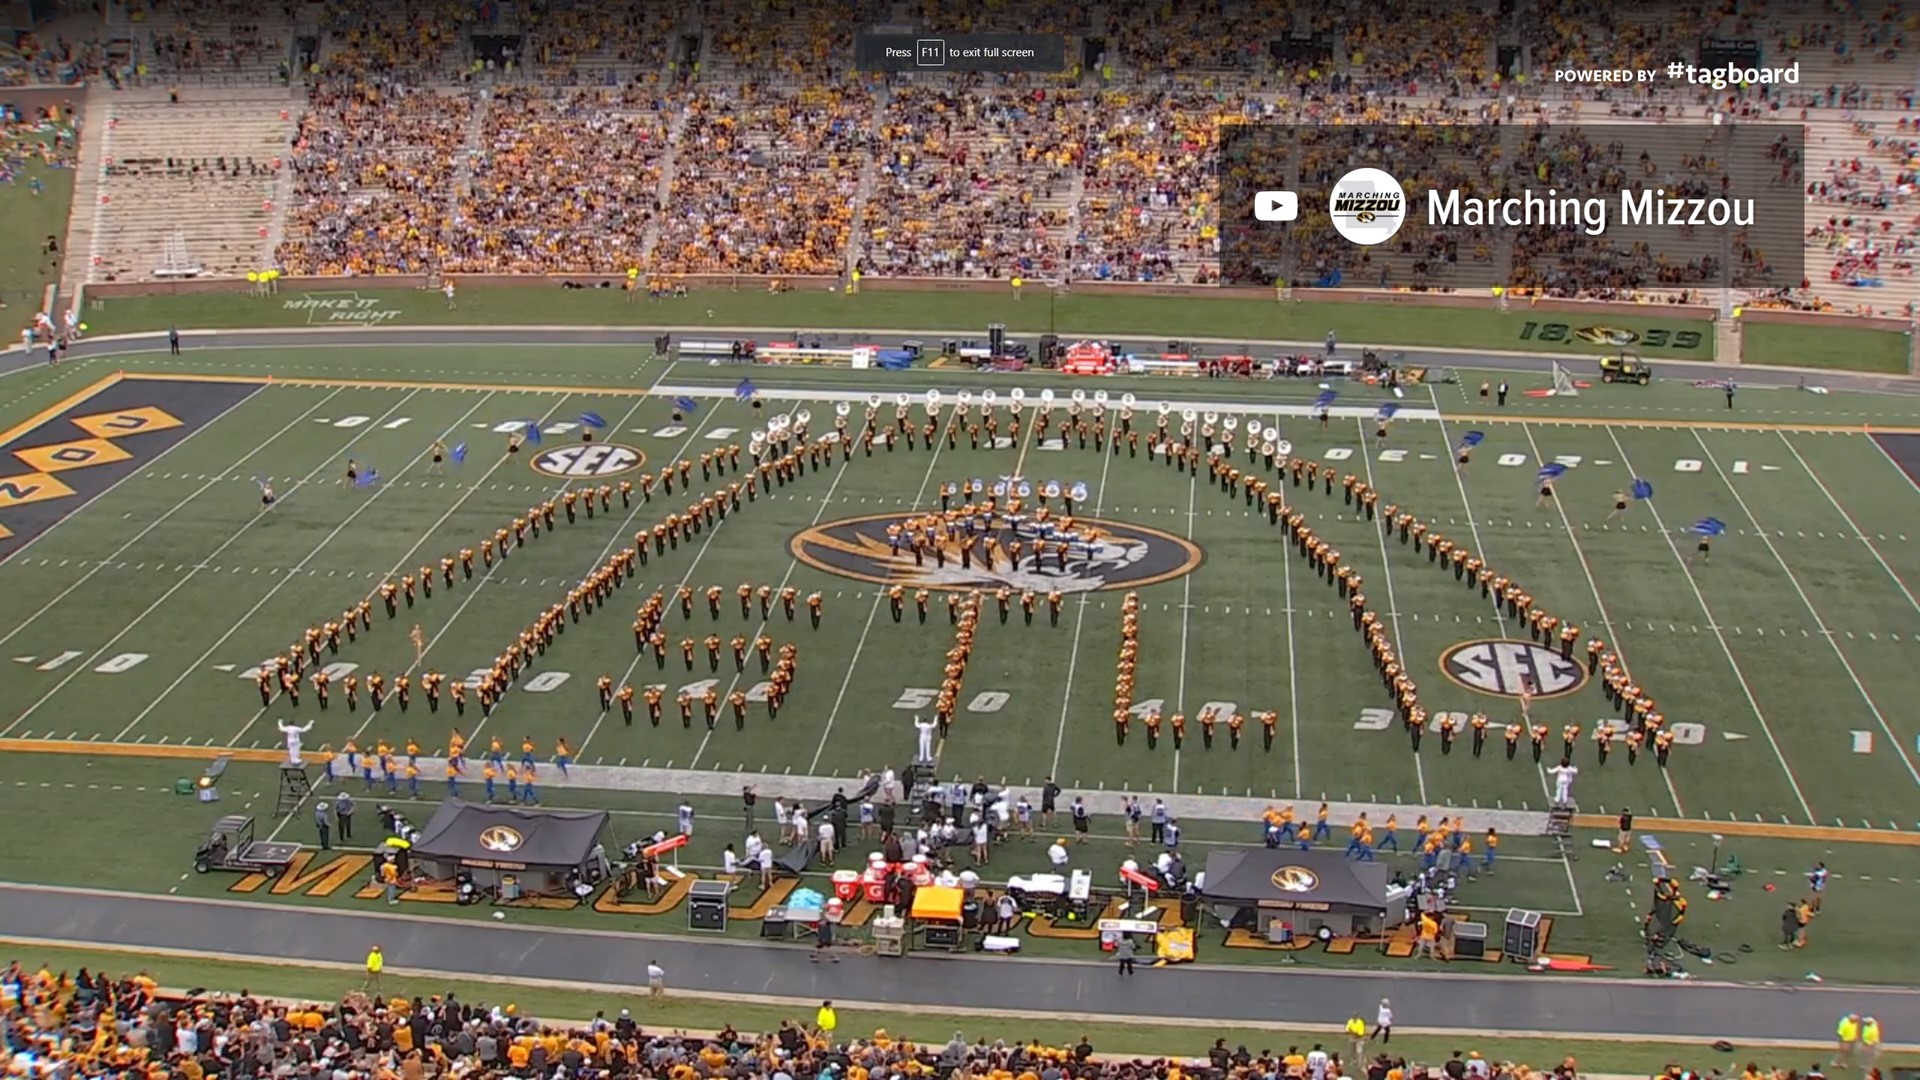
(142, 599)
(145, 583)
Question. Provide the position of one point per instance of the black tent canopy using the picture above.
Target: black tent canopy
(1307, 889)
(492, 841)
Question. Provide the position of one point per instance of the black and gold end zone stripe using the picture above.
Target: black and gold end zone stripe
(58, 460)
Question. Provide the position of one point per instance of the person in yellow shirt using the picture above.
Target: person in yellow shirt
(1389, 834)
(376, 963)
(1360, 839)
(826, 1020)
(1321, 830)
(1493, 845)
(1427, 938)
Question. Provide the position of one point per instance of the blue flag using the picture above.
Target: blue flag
(1642, 489)
(459, 452)
(593, 420)
(1472, 438)
(533, 432)
(1326, 398)
(1551, 470)
(367, 479)
(745, 391)
(685, 404)
(1709, 526)
(1387, 411)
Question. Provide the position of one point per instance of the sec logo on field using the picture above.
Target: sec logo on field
(588, 461)
(1509, 668)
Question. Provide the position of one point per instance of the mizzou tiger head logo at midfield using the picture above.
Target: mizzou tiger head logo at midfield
(1121, 556)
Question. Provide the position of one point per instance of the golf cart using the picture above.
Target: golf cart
(231, 846)
(1627, 367)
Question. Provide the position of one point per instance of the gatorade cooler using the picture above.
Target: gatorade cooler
(846, 885)
(874, 883)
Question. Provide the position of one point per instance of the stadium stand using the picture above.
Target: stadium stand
(183, 187)
(737, 140)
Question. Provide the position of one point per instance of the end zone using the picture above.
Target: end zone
(64, 457)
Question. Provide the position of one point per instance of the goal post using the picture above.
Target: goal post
(1563, 385)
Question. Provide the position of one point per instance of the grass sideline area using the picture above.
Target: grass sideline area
(690, 1013)
(1591, 914)
(27, 220)
(1153, 318)
(1832, 346)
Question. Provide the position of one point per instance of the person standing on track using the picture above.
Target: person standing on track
(376, 963)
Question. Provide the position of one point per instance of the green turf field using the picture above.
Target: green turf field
(1785, 663)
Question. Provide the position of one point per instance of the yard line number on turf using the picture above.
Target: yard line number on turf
(1684, 732)
(921, 697)
(1514, 461)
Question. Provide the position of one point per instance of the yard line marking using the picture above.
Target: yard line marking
(619, 535)
(1386, 573)
(880, 595)
(1079, 624)
(793, 563)
(1293, 676)
(1186, 610)
(405, 559)
(1719, 635)
(1844, 516)
(141, 535)
(200, 663)
(1605, 620)
(189, 576)
(110, 489)
(1818, 623)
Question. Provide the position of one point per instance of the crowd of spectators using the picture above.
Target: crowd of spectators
(765, 180)
(566, 36)
(374, 162)
(973, 179)
(62, 1025)
(563, 181)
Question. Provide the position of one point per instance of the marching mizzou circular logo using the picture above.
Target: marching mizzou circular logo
(1606, 335)
(501, 839)
(1512, 669)
(1295, 879)
(588, 461)
(1121, 556)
